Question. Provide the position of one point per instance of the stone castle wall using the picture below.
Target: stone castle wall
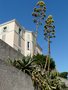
(7, 51)
(10, 77)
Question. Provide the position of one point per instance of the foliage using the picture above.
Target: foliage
(23, 65)
(42, 80)
(45, 81)
(41, 60)
(64, 86)
(64, 75)
(27, 64)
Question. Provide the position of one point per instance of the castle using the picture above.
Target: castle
(19, 38)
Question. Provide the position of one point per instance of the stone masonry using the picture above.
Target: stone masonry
(10, 77)
(13, 79)
(7, 51)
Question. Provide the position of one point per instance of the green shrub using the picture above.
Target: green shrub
(63, 75)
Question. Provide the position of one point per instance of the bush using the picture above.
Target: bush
(63, 75)
(42, 79)
(41, 60)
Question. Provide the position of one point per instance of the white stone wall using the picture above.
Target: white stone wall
(8, 34)
(12, 35)
(10, 26)
(28, 38)
(16, 38)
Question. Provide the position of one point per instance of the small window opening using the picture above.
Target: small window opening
(4, 29)
(28, 45)
(19, 30)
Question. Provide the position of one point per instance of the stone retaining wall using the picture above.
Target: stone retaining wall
(7, 51)
(13, 79)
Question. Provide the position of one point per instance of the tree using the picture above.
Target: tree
(41, 60)
(49, 33)
(64, 75)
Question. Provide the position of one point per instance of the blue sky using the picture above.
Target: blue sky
(22, 10)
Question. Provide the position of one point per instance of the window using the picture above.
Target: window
(19, 39)
(19, 31)
(28, 45)
(4, 29)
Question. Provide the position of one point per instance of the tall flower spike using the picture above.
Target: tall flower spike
(39, 13)
(49, 33)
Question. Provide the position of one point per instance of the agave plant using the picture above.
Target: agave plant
(41, 81)
(46, 81)
(24, 64)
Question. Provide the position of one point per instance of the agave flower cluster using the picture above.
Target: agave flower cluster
(49, 28)
(39, 13)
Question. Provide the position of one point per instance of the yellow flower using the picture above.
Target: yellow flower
(41, 3)
(50, 16)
